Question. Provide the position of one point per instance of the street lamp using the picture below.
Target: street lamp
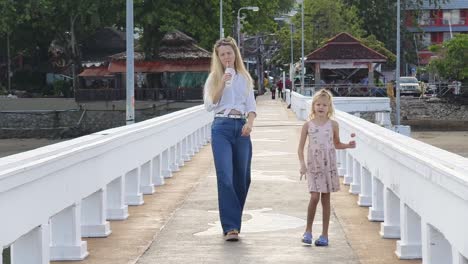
(253, 8)
(397, 70)
(221, 30)
(302, 46)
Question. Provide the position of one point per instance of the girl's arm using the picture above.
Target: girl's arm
(336, 138)
(300, 149)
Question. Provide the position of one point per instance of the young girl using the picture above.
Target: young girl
(320, 171)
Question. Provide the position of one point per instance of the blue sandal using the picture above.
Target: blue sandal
(321, 242)
(307, 239)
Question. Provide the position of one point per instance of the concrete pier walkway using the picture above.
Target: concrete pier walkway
(180, 223)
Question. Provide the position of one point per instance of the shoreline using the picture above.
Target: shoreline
(452, 141)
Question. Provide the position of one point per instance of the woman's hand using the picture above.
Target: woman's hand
(246, 129)
(303, 171)
(226, 77)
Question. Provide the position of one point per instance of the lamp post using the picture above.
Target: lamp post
(221, 30)
(253, 8)
(130, 109)
(302, 46)
(397, 70)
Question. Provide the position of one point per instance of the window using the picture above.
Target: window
(448, 35)
(424, 40)
(424, 18)
(452, 17)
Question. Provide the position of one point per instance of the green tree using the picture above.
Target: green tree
(323, 19)
(452, 59)
(379, 17)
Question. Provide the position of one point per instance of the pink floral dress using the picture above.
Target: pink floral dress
(322, 173)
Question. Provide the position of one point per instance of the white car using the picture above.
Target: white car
(409, 86)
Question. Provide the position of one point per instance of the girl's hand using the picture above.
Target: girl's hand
(303, 171)
(352, 143)
(246, 129)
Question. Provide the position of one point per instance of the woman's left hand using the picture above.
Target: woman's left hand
(246, 129)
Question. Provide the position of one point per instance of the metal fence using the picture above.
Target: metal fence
(431, 89)
(141, 94)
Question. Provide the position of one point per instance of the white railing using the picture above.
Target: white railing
(418, 191)
(52, 196)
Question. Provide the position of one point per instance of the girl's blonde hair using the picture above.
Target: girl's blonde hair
(213, 83)
(323, 93)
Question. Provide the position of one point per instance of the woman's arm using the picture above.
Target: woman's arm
(336, 138)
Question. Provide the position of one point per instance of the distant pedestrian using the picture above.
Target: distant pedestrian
(320, 171)
(229, 94)
(279, 86)
(390, 90)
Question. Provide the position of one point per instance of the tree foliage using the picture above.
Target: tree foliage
(380, 17)
(323, 19)
(451, 62)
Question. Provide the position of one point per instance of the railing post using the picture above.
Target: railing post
(376, 212)
(158, 178)
(365, 197)
(31, 248)
(185, 151)
(66, 241)
(390, 228)
(116, 207)
(349, 169)
(165, 164)
(146, 177)
(133, 196)
(435, 247)
(342, 162)
(173, 159)
(409, 246)
(93, 215)
(180, 154)
(355, 187)
(196, 145)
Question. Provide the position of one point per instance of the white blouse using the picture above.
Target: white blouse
(239, 96)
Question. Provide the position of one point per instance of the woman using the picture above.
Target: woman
(229, 94)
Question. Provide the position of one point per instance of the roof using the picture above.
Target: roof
(452, 4)
(344, 47)
(162, 66)
(138, 56)
(96, 72)
(176, 45)
(104, 42)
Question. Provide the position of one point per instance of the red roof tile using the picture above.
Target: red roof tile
(345, 47)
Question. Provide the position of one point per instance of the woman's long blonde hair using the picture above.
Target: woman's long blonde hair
(213, 83)
(326, 94)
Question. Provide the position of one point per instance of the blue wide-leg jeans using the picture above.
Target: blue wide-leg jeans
(232, 157)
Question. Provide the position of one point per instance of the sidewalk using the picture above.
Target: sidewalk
(182, 219)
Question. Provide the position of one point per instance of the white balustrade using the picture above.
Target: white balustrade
(66, 191)
(146, 178)
(420, 192)
(93, 215)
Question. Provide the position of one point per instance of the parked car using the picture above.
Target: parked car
(409, 86)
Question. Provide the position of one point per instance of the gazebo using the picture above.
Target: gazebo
(344, 54)
(178, 71)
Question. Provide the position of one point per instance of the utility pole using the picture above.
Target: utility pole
(397, 70)
(221, 30)
(130, 109)
(8, 63)
(302, 48)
